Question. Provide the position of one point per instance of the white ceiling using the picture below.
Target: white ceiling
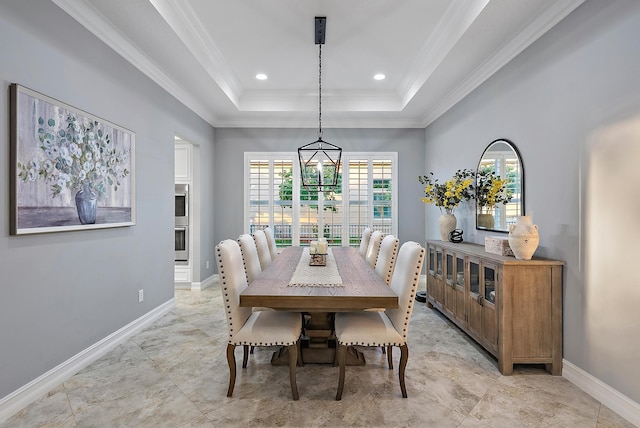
(206, 53)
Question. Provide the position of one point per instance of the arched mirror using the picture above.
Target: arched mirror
(499, 187)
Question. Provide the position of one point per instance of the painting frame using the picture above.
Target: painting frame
(69, 169)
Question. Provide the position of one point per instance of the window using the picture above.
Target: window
(366, 196)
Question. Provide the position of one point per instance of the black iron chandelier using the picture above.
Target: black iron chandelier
(320, 160)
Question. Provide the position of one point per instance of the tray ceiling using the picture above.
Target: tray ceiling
(206, 53)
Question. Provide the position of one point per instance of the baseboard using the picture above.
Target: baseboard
(616, 401)
(208, 282)
(22, 397)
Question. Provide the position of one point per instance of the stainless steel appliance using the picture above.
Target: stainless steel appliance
(182, 243)
(182, 223)
(182, 204)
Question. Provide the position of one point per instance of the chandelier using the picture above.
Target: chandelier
(320, 160)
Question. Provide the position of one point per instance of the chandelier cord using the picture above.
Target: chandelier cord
(320, 92)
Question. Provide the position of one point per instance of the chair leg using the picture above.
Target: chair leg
(342, 350)
(231, 359)
(404, 356)
(251, 350)
(300, 363)
(293, 358)
(383, 349)
(390, 357)
(245, 355)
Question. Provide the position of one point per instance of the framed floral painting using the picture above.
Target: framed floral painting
(70, 170)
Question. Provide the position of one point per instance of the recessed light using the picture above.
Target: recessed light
(261, 76)
(379, 76)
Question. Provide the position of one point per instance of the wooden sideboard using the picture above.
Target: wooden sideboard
(513, 308)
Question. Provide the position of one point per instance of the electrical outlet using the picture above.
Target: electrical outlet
(207, 264)
(140, 296)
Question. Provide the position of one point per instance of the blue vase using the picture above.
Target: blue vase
(87, 205)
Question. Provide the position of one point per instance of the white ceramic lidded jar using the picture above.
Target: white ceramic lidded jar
(523, 238)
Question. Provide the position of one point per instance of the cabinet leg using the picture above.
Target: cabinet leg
(505, 368)
(554, 368)
(429, 305)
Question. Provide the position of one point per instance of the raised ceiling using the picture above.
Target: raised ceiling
(206, 53)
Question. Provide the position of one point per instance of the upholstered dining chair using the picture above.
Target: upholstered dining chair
(247, 328)
(263, 248)
(373, 248)
(386, 260)
(271, 240)
(364, 241)
(249, 256)
(388, 328)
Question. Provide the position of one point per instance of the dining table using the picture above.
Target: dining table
(346, 283)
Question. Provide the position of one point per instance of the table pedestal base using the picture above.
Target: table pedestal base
(318, 344)
(353, 357)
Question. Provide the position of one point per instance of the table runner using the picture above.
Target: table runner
(316, 276)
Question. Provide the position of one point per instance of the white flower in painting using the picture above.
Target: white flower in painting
(63, 179)
(75, 150)
(66, 156)
(48, 166)
(52, 152)
(122, 157)
(34, 164)
(88, 156)
(87, 166)
(33, 175)
(101, 170)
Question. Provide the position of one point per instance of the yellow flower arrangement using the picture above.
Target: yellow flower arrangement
(491, 190)
(451, 193)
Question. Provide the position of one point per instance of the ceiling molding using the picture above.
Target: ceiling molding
(540, 25)
(189, 29)
(97, 24)
(332, 100)
(454, 24)
(312, 123)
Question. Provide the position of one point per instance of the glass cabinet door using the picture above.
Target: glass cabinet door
(449, 268)
(431, 260)
(489, 284)
(460, 271)
(474, 277)
(439, 262)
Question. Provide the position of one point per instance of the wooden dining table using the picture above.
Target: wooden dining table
(361, 288)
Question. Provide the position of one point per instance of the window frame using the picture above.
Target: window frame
(346, 158)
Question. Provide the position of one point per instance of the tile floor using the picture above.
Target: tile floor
(175, 374)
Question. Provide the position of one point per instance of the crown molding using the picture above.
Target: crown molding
(532, 32)
(189, 29)
(102, 28)
(333, 100)
(455, 22)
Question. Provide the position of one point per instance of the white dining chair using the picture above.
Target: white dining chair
(271, 240)
(373, 248)
(389, 328)
(386, 260)
(247, 328)
(263, 248)
(364, 241)
(249, 256)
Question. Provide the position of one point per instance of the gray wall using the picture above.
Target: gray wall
(231, 143)
(62, 292)
(571, 104)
